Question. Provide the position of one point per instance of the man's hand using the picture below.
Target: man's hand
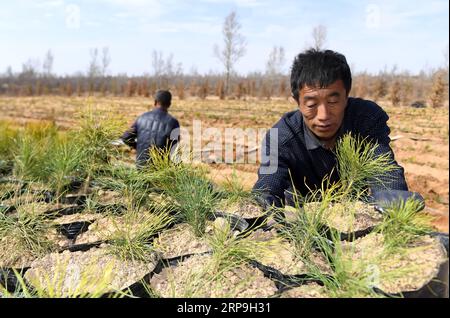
(385, 198)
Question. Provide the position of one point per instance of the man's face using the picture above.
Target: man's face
(323, 109)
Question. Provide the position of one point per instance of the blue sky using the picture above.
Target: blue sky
(372, 34)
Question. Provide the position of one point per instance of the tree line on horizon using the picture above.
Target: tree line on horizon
(428, 88)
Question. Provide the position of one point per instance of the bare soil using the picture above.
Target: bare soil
(77, 217)
(283, 257)
(422, 149)
(93, 271)
(348, 217)
(408, 269)
(245, 208)
(309, 290)
(13, 257)
(181, 240)
(193, 278)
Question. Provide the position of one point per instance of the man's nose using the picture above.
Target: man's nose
(323, 113)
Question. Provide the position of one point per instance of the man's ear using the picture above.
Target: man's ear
(292, 100)
(296, 101)
(346, 101)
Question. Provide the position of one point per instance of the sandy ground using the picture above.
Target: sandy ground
(420, 136)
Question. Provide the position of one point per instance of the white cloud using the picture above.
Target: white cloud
(133, 3)
(272, 30)
(136, 8)
(248, 3)
(93, 23)
(48, 4)
(238, 3)
(182, 27)
(190, 28)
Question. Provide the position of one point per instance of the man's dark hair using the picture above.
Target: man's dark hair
(319, 69)
(164, 98)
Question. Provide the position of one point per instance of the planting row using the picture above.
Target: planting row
(92, 225)
(141, 243)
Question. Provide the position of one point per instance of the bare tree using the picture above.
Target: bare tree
(30, 69)
(180, 87)
(234, 46)
(168, 66)
(274, 70)
(395, 93)
(437, 95)
(276, 61)
(106, 60)
(445, 53)
(407, 91)
(47, 66)
(179, 70)
(9, 74)
(319, 34)
(194, 71)
(94, 68)
(380, 88)
(157, 63)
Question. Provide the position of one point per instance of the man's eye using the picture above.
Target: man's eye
(311, 105)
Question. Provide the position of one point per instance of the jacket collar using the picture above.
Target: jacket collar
(311, 141)
(160, 109)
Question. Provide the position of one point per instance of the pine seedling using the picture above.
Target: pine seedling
(360, 165)
(94, 137)
(195, 199)
(402, 223)
(65, 161)
(131, 238)
(28, 228)
(344, 281)
(91, 283)
(306, 225)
